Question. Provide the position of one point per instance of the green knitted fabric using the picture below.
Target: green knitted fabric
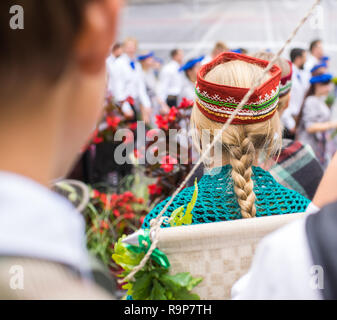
(217, 201)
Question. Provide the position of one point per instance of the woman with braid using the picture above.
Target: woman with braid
(234, 186)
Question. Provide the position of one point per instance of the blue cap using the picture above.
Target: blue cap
(322, 78)
(325, 59)
(317, 66)
(191, 63)
(236, 50)
(161, 61)
(145, 56)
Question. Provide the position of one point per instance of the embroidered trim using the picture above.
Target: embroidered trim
(232, 103)
(240, 117)
(218, 102)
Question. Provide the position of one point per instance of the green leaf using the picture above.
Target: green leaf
(143, 285)
(184, 294)
(191, 205)
(178, 280)
(180, 284)
(178, 217)
(158, 291)
(125, 258)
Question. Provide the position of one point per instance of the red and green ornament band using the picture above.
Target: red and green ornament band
(285, 83)
(218, 102)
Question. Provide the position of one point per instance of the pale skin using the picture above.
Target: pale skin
(43, 130)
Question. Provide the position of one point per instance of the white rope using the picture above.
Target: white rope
(156, 222)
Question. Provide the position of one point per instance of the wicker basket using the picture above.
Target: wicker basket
(219, 252)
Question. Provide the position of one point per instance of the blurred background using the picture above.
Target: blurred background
(195, 25)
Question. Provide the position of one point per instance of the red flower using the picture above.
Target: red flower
(129, 215)
(133, 126)
(103, 198)
(96, 139)
(154, 189)
(137, 153)
(104, 225)
(161, 122)
(116, 213)
(95, 193)
(185, 103)
(172, 114)
(114, 198)
(128, 194)
(113, 122)
(128, 208)
(168, 163)
(140, 201)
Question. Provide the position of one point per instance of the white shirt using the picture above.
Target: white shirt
(109, 68)
(281, 267)
(311, 62)
(207, 59)
(188, 90)
(127, 82)
(300, 85)
(170, 80)
(36, 222)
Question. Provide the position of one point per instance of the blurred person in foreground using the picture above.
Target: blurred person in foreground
(127, 84)
(170, 78)
(53, 79)
(298, 261)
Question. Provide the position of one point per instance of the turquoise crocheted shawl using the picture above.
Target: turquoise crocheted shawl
(217, 201)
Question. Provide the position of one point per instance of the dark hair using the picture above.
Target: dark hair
(174, 52)
(295, 53)
(310, 92)
(116, 46)
(42, 49)
(313, 44)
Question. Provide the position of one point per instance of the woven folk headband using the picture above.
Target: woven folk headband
(217, 102)
(285, 83)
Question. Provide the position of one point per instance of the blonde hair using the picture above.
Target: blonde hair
(241, 144)
(219, 47)
(130, 39)
(285, 69)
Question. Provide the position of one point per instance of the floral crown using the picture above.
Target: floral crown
(217, 102)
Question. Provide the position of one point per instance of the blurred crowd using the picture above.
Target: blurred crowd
(145, 86)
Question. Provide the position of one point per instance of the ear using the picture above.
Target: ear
(100, 20)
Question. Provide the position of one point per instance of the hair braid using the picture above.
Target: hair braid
(241, 157)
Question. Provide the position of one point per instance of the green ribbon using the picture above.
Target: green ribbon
(157, 255)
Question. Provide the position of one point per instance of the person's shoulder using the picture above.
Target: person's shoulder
(281, 267)
(311, 100)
